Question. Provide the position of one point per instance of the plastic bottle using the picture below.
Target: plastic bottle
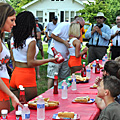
(57, 55)
(25, 112)
(106, 58)
(40, 108)
(64, 90)
(83, 71)
(4, 113)
(22, 98)
(18, 115)
(88, 72)
(73, 82)
(55, 90)
(103, 61)
(97, 67)
(94, 64)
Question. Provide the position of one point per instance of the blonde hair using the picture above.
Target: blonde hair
(74, 29)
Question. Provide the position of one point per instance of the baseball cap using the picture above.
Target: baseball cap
(36, 18)
(55, 18)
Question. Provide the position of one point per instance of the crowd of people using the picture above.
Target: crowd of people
(66, 38)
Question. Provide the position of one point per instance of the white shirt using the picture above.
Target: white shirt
(20, 55)
(4, 58)
(113, 31)
(61, 31)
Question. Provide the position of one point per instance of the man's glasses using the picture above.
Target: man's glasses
(99, 17)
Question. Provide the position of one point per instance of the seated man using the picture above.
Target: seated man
(108, 89)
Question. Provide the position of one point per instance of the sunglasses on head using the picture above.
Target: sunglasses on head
(99, 17)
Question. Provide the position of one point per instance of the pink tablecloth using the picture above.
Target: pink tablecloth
(86, 111)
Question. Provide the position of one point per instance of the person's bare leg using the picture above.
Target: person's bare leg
(5, 105)
(76, 68)
(30, 93)
(38, 72)
(50, 83)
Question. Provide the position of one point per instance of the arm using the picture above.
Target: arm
(77, 44)
(38, 35)
(14, 99)
(30, 56)
(89, 32)
(60, 40)
(1, 48)
(47, 36)
(114, 35)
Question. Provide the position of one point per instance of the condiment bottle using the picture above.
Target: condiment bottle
(4, 113)
(22, 98)
(57, 55)
(18, 115)
(55, 90)
(97, 67)
(83, 71)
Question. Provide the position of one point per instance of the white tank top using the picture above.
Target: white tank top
(20, 55)
(72, 48)
(4, 58)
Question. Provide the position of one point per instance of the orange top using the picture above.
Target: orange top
(81, 32)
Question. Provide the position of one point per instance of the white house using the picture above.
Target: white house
(2, 1)
(46, 9)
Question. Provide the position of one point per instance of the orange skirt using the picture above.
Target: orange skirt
(23, 76)
(73, 61)
(4, 96)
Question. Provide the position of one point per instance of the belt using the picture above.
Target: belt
(98, 46)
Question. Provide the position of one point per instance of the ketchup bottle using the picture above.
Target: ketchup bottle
(97, 67)
(83, 71)
(84, 56)
(57, 55)
(55, 90)
(22, 98)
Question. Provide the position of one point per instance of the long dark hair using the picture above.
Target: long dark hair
(25, 23)
(5, 11)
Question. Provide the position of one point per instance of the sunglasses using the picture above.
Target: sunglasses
(99, 17)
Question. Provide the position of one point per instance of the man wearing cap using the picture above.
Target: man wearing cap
(50, 27)
(115, 36)
(60, 39)
(99, 35)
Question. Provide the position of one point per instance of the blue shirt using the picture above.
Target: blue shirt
(103, 40)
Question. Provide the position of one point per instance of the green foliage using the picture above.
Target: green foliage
(110, 8)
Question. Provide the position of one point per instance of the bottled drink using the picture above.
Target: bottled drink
(55, 90)
(4, 113)
(84, 56)
(73, 82)
(83, 71)
(18, 115)
(57, 55)
(22, 98)
(103, 61)
(94, 64)
(88, 72)
(106, 58)
(64, 90)
(25, 112)
(40, 108)
(97, 67)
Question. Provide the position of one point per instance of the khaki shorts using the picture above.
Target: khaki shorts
(62, 69)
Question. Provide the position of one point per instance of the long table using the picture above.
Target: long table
(85, 111)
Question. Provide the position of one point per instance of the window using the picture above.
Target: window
(52, 0)
(39, 14)
(72, 15)
(61, 16)
(66, 15)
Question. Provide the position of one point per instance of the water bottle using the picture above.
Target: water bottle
(106, 58)
(103, 61)
(25, 112)
(88, 72)
(73, 82)
(94, 64)
(64, 90)
(40, 108)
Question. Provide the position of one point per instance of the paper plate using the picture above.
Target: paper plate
(90, 101)
(55, 117)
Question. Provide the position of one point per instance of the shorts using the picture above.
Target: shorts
(62, 69)
(39, 44)
(23, 76)
(4, 96)
(73, 61)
